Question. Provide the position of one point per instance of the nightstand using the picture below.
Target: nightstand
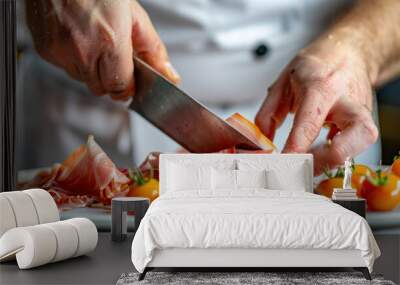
(119, 208)
(357, 206)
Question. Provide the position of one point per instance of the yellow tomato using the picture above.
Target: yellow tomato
(362, 170)
(325, 187)
(148, 190)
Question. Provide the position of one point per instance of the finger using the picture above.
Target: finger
(115, 66)
(309, 119)
(80, 59)
(85, 72)
(148, 45)
(90, 75)
(358, 131)
(275, 107)
(124, 96)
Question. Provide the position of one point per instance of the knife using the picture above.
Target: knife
(181, 117)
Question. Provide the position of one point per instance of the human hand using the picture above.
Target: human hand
(94, 41)
(326, 83)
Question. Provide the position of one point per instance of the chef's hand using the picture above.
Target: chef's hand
(322, 86)
(94, 41)
(331, 81)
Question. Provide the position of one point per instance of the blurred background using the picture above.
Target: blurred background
(389, 116)
(227, 53)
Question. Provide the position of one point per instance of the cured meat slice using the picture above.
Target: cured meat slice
(252, 132)
(89, 171)
(87, 175)
(67, 202)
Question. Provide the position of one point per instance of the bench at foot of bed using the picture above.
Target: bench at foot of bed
(363, 270)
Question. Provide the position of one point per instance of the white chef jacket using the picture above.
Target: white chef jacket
(213, 45)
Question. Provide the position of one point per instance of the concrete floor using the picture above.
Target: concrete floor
(389, 263)
(103, 266)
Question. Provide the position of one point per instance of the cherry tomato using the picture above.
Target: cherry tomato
(148, 190)
(325, 187)
(382, 195)
(360, 173)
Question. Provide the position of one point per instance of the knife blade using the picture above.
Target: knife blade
(180, 116)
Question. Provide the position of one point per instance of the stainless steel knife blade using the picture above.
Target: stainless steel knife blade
(181, 117)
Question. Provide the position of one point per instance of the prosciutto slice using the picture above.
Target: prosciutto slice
(88, 174)
(88, 170)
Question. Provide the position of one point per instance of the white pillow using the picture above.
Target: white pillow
(223, 179)
(182, 177)
(227, 179)
(283, 173)
(251, 178)
(293, 181)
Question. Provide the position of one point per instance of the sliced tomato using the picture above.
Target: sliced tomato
(251, 131)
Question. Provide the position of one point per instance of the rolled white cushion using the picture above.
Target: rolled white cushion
(33, 246)
(23, 208)
(87, 235)
(7, 218)
(46, 208)
(66, 238)
(40, 244)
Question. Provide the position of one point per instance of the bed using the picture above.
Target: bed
(246, 211)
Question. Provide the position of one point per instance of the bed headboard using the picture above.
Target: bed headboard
(283, 163)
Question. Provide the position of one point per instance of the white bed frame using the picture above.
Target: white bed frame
(251, 258)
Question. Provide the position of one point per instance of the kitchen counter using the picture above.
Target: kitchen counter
(384, 220)
(379, 221)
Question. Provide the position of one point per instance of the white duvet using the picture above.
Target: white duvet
(250, 219)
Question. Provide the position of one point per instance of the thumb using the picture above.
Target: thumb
(148, 46)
